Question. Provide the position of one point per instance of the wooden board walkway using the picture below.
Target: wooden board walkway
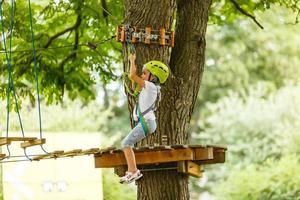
(163, 154)
(26, 141)
(183, 158)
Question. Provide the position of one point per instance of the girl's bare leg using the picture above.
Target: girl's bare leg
(130, 158)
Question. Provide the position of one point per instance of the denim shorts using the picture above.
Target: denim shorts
(137, 134)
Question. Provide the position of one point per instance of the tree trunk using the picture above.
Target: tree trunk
(180, 92)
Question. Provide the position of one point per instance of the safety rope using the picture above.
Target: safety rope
(10, 85)
(129, 45)
(36, 75)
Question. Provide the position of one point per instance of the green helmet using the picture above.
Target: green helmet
(158, 69)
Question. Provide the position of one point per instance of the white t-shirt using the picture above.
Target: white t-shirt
(147, 97)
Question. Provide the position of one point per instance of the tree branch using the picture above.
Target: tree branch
(244, 12)
(74, 27)
(73, 55)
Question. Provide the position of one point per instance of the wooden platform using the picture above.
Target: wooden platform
(183, 158)
(187, 159)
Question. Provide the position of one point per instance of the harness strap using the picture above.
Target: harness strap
(142, 114)
(142, 121)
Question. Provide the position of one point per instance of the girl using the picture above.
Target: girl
(154, 73)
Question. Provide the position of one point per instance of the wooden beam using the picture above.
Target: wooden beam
(204, 153)
(190, 168)
(4, 141)
(149, 157)
(18, 139)
(193, 169)
(2, 155)
(219, 157)
(31, 143)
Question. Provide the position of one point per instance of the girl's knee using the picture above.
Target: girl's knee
(126, 143)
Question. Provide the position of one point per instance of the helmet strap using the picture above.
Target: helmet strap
(155, 80)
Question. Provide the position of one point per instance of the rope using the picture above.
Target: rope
(129, 45)
(10, 85)
(36, 76)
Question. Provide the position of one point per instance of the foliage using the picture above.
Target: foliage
(73, 24)
(275, 180)
(227, 11)
(261, 128)
(62, 23)
(240, 55)
(71, 117)
(114, 190)
(256, 128)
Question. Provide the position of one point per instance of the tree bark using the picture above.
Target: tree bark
(180, 92)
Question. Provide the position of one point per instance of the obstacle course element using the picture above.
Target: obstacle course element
(26, 141)
(133, 34)
(186, 159)
(72, 153)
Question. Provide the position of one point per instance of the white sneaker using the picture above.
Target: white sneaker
(131, 176)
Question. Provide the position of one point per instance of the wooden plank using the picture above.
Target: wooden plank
(31, 143)
(152, 148)
(4, 141)
(2, 155)
(107, 150)
(172, 43)
(203, 153)
(162, 33)
(176, 146)
(151, 157)
(19, 139)
(148, 35)
(197, 146)
(71, 153)
(142, 148)
(91, 151)
(160, 147)
(53, 154)
(219, 157)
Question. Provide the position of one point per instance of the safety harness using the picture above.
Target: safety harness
(141, 114)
